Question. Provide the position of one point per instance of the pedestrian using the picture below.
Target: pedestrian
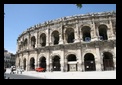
(11, 70)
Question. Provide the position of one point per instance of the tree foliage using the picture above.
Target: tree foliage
(79, 5)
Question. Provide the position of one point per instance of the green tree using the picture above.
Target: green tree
(79, 5)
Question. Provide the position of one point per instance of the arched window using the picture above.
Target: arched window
(43, 39)
(33, 41)
(55, 37)
(86, 34)
(103, 32)
(69, 35)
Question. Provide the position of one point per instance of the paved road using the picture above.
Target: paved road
(19, 76)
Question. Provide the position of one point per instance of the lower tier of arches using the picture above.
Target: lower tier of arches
(71, 62)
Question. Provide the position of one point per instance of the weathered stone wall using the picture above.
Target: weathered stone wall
(63, 28)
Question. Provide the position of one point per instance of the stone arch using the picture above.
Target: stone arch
(86, 33)
(71, 62)
(24, 63)
(89, 62)
(108, 63)
(42, 62)
(33, 41)
(43, 39)
(55, 37)
(109, 51)
(25, 43)
(69, 35)
(56, 66)
(103, 32)
(32, 63)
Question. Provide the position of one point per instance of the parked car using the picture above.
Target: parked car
(40, 69)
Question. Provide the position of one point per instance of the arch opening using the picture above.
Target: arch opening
(42, 62)
(43, 39)
(70, 35)
(103, 32)
(56, 63)
(32, 64)
(72, 63)
(33, 41)
(108, 61)
(86, 33)
(55, 37)
(89, 62)
(24, 64)
(25, 43)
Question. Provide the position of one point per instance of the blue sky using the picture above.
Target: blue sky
(19, 17)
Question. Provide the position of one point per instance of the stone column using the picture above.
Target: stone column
(47, 37)
(111, 29)
(29, 41)
(96, 33)
(38, 44)
(36, 40)
(22, 62)
(80, 35)
(36, 60)
(98, 59)
(50, 41)
(76, 34)
(62, 60)
(51, 67)
(82, 59)
(28, 62)
(65, 36)
(79, 60)
(61, 41)
(65, 65)
(48, 61)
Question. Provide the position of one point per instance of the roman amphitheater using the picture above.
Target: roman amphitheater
(84, 42)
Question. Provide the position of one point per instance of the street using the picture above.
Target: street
(19, 76)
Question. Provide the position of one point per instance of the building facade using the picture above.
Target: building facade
(9, 59)
(13, 59)
(85, 42)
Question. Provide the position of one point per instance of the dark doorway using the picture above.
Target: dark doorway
(72, 58)
(42, 62)
(89, 62)
(108, 61)
(32, 64)
(24, 64)
(56, 63)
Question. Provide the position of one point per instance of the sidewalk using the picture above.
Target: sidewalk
(71, 75)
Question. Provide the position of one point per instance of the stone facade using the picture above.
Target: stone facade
(9, 59)
(74, 43)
